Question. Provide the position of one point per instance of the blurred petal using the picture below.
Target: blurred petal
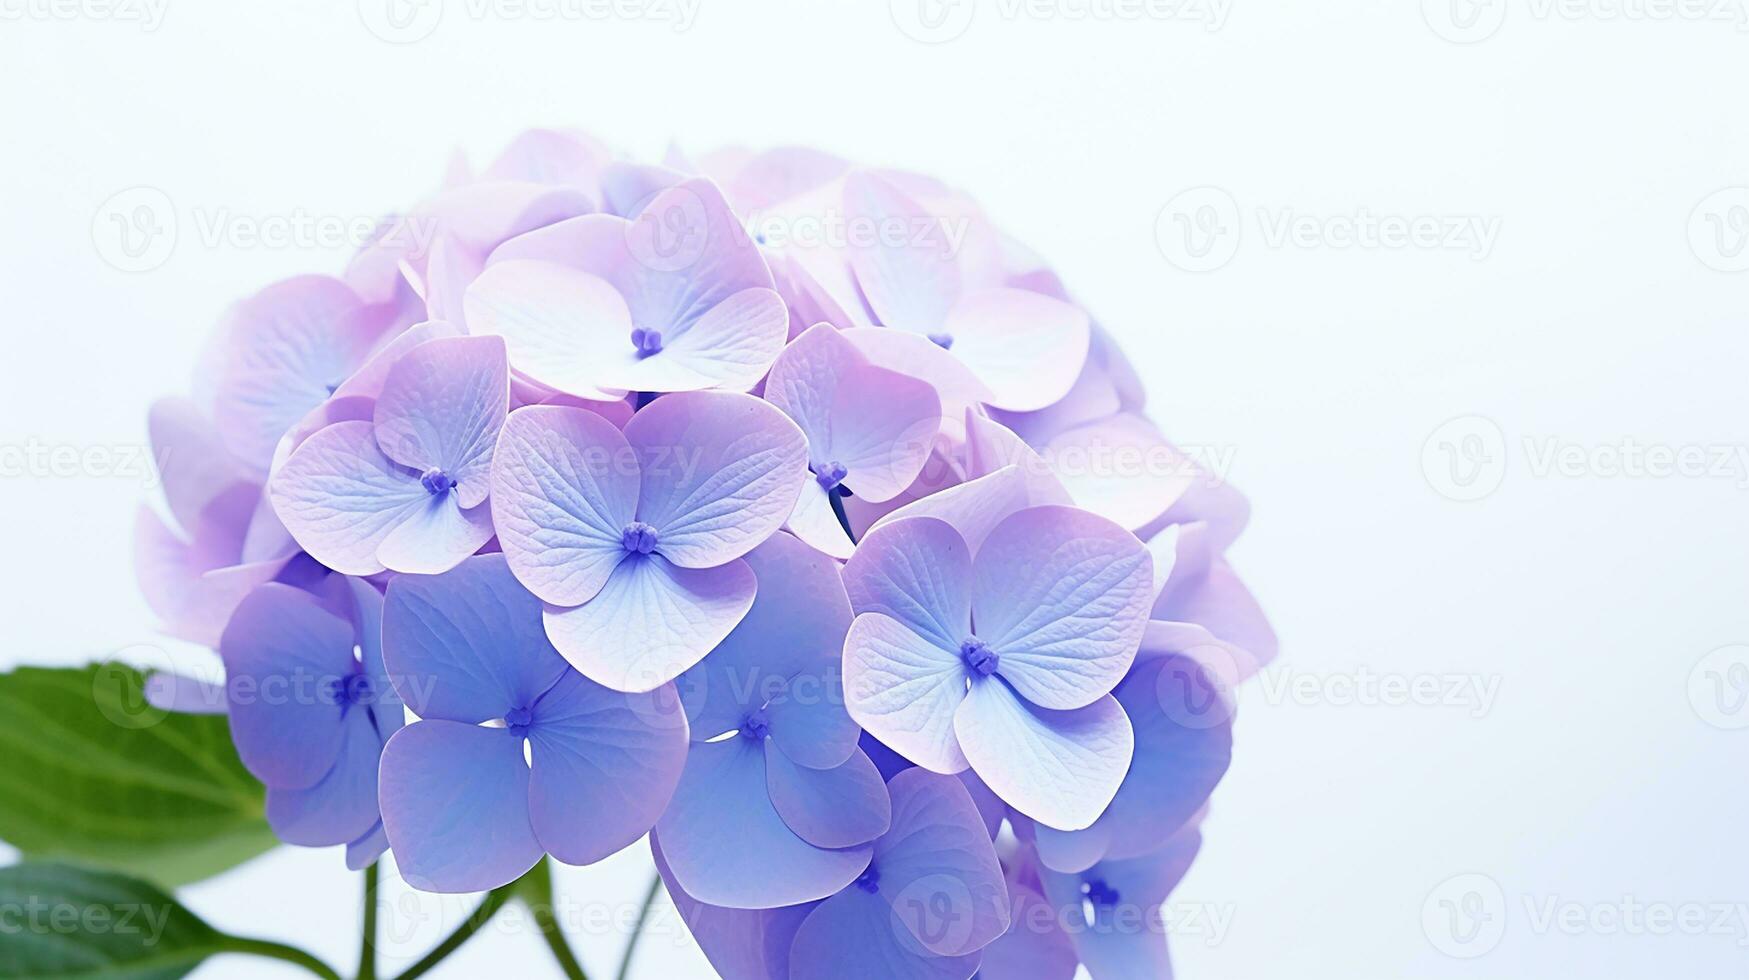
(1028, 349)
(455, 806)
(958, 387)
(343, 806)
(191, 460)
(564, 486)
(282, 655)
(562, 327)
(1035, 947)
(1121, 468)
(910, 278)
(651, 621)
(1060, 768)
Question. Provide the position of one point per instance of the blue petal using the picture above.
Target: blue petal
(282, 654)
(727, 845)
(938, 868)
(467, 645)
(742, 944)
(916, 571)
(604, 766)
(839, 807)
(455, 806)
(343, 806)
(856, 935)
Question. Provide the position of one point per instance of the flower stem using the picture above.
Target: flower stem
(280, 951)
(837, 495)
(367, 951)
(625, 962)
(536, 892)
(495, 899)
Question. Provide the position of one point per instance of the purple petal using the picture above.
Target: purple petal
(604, 765)
(731, 345)
(435, 537)
(1062, 597)
(364, 852)
(726, 844)
(1060, 768)
(341, 807)
(938, 868)
(814, 521)
(1220, 602)
(805, 377)
(904, 689)
(884, 425)
(918, 572)
(991, 446)
(196, 468)
(911, 282)
(455, 806)
(563, 327)
(973, 508)
(840, 807)
(741, 944)
(916, 356)
(282, 655)
(855, 935)
(719, 473)
(467, 645)
(1028, 349)
(1124, 936)
(286, 349)
(795, 627)
(564, 486)
(651, 621)
(184, 695)
(340, 497)
(1035, 947)
(441, 408)
(1122, 468)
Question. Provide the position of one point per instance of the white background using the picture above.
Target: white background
(1602, 773)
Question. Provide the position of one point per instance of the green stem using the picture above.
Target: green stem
(625, 962)
(367, 952)
(279, 951)
(537, 893)
(495, 899)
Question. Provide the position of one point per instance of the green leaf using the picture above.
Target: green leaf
(62, 922)
(95, 775)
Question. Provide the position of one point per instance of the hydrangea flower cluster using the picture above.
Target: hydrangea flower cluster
(782, 510)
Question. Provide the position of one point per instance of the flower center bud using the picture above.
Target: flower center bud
(756, 726)
(437, 482)
(978, 657)
(647, 341)
(355, 689)
(942, 340)
(830, 475)
(870, 881)
(516, 721)
(1100, 894)
(638, 537)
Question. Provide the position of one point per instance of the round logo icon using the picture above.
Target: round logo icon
(1718, 230)
(401, 21)
(933, 21)
(135, 230)
(936, 912)
(141, 684)
(1198, 230)
(1464, 916)
(671, 232)
(1465, 459)
(1199, 689)
(1718, 688)
(1464, 21)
